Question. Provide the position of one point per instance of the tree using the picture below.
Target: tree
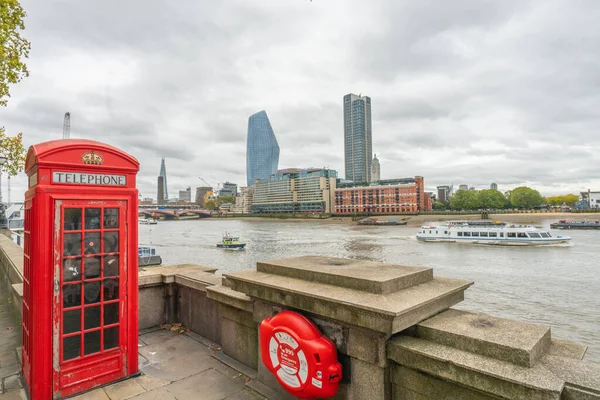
(13, 150)
(464, 200)
(569, 199)
(438, 205)
(13, 47)
(490, 198)
(525, 197)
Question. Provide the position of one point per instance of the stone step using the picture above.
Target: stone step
(507, 340)
(365, 276)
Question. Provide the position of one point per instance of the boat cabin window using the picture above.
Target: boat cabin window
(522, 235)
(445, 232)
(459, 233)
(436, 232)
(493, 234)
(501, 234)
(544, 235)
(534, 235)
(483, 234)
(511, 234)
(467, 234)
(474, 233)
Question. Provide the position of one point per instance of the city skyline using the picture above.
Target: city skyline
(466, 97)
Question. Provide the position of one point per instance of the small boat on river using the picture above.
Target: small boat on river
(230, 242)
(564, 224)
(489, 233)
(147, 257)
(379, 222)
(147, 221)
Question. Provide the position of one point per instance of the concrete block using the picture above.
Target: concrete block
(476, 372)
(123, 390)
(362, 275)
(367, 346)
(17, 297)
(567, 349)
(389, 313)
(368, 381)
(198, 280)
(503, 339)
(151, 306)
(419, 385)
(226, 295)
(240, 341)
(575, 373)
(199, 313)
(237, 315)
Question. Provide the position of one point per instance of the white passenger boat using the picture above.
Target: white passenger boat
(147, 221)
(488, 232)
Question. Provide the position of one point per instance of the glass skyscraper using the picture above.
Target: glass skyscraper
(358, 149)
(262, 150)
(163, 173)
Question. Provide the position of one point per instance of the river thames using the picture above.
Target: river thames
(557, 286)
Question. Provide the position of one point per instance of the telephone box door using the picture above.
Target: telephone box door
(90, 304)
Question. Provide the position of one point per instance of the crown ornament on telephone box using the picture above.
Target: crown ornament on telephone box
(92, 157)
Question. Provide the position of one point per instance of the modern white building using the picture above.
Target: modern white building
(375, 170)
(591, 198)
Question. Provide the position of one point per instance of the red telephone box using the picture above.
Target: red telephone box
(80, 288)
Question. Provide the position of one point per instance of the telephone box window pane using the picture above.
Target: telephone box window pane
(72, 219)
(91, 342)
(111, 218)
(111, 313)
(71, 347)
(92, 218)
(111, 266)
(91, 292)
(72, 321)
(92, 243)
(72, 244)
(111, 242)
(111, 289)
(71, 269)
(111, 338)
(91, 317)
(92, 267)
(71, 295)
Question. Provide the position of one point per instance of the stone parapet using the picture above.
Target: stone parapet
(490, 358)
(298, 283)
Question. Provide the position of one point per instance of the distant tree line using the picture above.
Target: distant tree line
(521, 197)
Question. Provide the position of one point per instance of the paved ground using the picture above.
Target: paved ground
(174, 366)
(10, 339)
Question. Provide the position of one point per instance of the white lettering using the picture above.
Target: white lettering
(80, 178)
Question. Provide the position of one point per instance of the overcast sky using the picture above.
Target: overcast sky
(463, 91)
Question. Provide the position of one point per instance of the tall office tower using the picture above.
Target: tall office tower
(262, 150)
(494, 186)
(375, 170)
(463, 187)
(163, 173)
(358, 153)
(160, 195)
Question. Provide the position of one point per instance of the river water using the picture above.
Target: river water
(557, 286)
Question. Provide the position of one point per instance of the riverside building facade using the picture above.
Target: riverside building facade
(392, 196)
(295, 190)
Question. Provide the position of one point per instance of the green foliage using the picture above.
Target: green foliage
(438, 205)
(465, 200)
(491, 198)
(525, 197)
(210, 205)
(568, 199)
(13, 150)
(13, 47)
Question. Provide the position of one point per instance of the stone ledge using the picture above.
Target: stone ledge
(198, 281)
(365, 276)
(17, 296)
(503, 339)
(226, 295)
(190, 275)
(388, 313)
(567, 349)
(474, 371)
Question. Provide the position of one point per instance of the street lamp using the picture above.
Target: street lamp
(3, 223)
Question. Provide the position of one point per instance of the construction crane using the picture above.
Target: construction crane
(203, 180)
(67, 126)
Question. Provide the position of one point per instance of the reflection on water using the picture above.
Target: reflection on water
(555, 285)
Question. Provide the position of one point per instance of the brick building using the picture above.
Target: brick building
(392, 196)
